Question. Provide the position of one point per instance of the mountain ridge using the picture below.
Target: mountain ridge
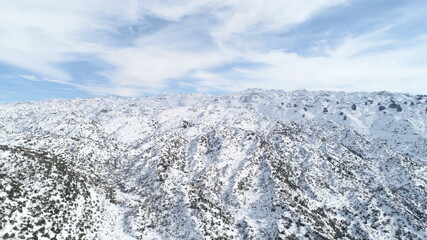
(260, 164)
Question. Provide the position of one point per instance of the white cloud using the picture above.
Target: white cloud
(168, 53)
(39, 35)
(207, 81)
(350, 66)
(29, 77)
(152, 67)
(105, 90)
(197, 37)
(264, 16)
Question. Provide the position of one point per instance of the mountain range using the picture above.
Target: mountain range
(258, 164)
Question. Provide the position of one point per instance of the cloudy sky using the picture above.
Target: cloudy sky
(80, 48)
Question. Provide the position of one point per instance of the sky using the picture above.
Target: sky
(76, 49)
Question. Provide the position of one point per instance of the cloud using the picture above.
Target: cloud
(152, 68)
(254, 16)
(151, 45)
(29, 77)
(362, 63)
(39, 35)
(197, 38)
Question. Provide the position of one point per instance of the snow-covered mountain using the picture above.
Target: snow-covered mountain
(260, 164)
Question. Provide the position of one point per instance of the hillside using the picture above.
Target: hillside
(259, 164)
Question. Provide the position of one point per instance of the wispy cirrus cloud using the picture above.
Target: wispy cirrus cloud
(135, 47)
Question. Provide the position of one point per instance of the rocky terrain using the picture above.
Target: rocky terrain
(259, 164)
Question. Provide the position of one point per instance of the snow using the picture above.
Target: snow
(257, 164)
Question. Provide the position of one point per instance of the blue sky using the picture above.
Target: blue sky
(67, 49)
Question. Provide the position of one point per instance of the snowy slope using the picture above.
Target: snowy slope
(260, 164)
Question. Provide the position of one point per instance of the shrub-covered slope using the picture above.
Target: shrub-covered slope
(252, 165)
